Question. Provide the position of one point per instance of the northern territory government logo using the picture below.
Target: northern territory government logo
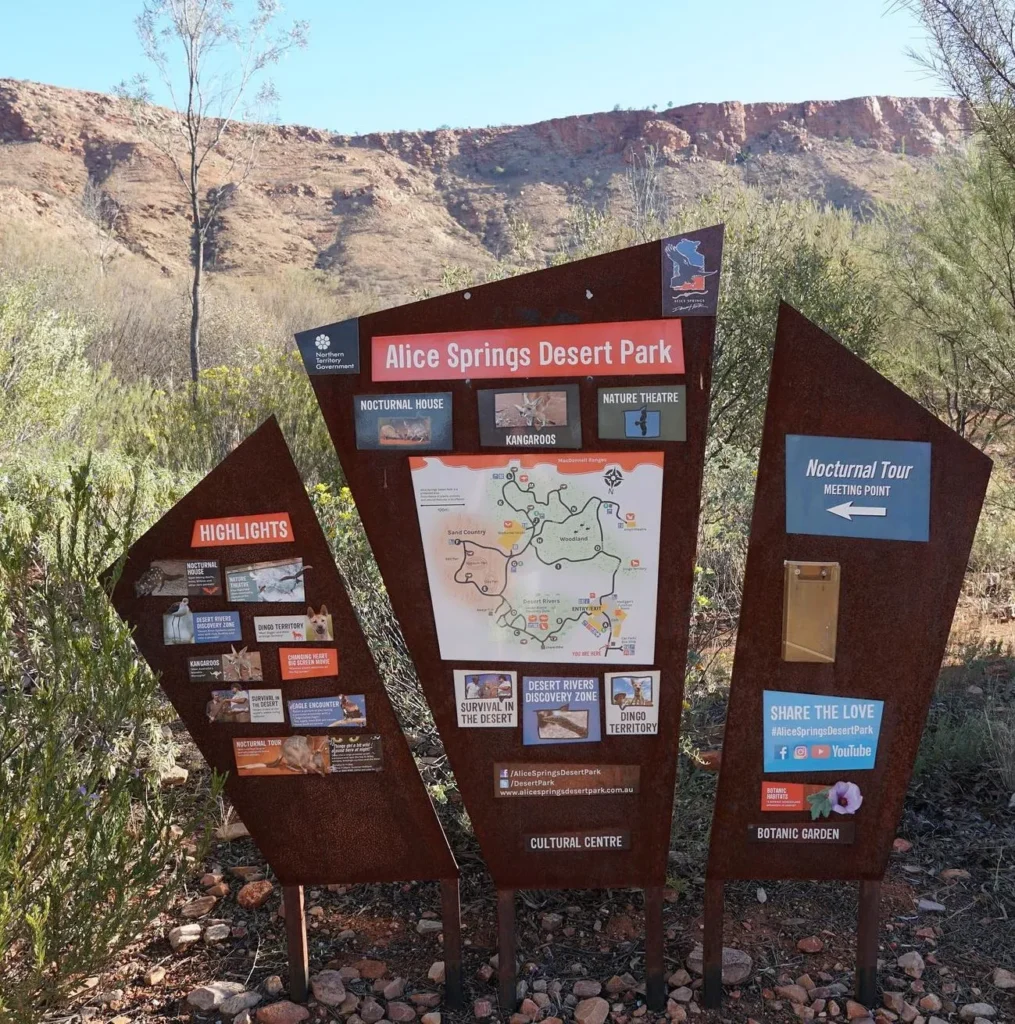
(690, 280)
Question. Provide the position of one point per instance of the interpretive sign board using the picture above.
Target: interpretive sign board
(318, 767)
(819, 749)
(508, 557)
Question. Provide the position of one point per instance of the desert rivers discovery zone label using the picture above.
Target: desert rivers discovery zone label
(565, 779)
(267, 528)
(807, 732)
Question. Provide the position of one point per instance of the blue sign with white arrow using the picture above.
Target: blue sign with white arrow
(852, 487)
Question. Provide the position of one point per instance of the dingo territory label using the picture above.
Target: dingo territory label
(235, 667)
(562, 350)
(531, 417)
(571, 842)
(288, 629)
(403, 421)
(311, 663)
(240, 705)
(182, 626)
(565, 779)
(175, 577)
(632, 703)
(804, 833)
(486, 699)
(346, 711)
(267, 528)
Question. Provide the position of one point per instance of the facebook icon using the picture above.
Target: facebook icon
(783, 752)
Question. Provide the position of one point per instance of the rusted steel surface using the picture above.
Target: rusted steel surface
(617, 287)
(451, 918)
(896, 603)
(296, 942)
(867, 943)
(361, 826)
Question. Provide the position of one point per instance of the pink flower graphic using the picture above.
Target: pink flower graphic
(845, 797)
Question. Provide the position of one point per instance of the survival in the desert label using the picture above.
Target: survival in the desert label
(419, 421)
(548, 417)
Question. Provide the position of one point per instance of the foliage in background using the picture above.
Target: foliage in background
(89, 842)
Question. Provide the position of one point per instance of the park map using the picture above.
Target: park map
(542, 558)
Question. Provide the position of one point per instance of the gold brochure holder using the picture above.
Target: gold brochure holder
(810, 611)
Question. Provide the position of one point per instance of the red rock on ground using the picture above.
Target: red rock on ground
(254, 895)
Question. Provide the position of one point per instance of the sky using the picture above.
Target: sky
(381, 65)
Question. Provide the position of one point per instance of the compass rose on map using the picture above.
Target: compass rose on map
(613, 478)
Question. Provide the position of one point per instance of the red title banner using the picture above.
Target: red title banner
(629, 348)
(268, 528)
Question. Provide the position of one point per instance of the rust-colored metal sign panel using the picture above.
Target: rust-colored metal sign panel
(319, 770)
(864, 514)
(523, 576)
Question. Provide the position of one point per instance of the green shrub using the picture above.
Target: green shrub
(88, 852)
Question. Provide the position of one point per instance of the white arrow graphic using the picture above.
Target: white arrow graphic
(847, 511)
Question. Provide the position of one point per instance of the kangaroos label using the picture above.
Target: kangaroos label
(403, 421)
(556, 710)
(632, 703)
(241, 666)
(531, 417)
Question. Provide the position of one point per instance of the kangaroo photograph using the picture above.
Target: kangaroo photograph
(536, 409)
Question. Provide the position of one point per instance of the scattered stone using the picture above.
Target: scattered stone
(682, 994)
(230, 830)
(484, 973)
(794, 993)
(346, 934)
(806, 981)
(675, 1011)
(586, 988)
(436, 975)
(832, 1008)
(972, 1010)
(184, 935)
(428, 1000)
(902, 845)
(155, 976)
(328, 988)
(894, 1001)
(931, 906)
(371, 969)
(394, 989)
(551, 922)
(828, 991)
(247, 873)
(954, 875)
(1002, 978)
(930, 1002)
(677, 978)
(855, 1010)
(217, 932)
(175, 776)
(810, 944)
(736, 964)
(371, 1011)
(541, 999)
(235, 1005)
(120, 1020)
(431, 1018)
(482, 1008)
(803, 1012)
(912, 963)
(254, 895)
(211, 878)
(401, 1013)
(316, 912)
(222, 889)
(243, 1017)
(818, 1005)
(909, 1013)
(427, 927)
(213, 995)
(592, 1011)
(283, 1012)
(273, 985)
(529, 1009)
(933, 1020)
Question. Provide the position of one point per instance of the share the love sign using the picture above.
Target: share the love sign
(629, 348)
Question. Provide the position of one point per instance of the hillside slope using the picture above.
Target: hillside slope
(385, 211)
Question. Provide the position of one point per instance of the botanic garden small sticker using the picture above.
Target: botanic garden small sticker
(822, 801)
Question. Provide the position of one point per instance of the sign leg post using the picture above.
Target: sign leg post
(507, 984)
(867, 943)
(296, 942)
(452, 920)
(655, 988)
(712, 945)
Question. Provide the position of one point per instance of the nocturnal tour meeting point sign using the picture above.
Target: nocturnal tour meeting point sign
(864, 515)
(542, 569)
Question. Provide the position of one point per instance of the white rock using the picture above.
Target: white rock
(184, 935)
(436, 972)
(426, 926)
(328, 988)
(239, 1003)
(973, 1010)
(931, 906)
(736, 964)
(214, 994)
(1002, 978)
(216, 933)
(175, 776)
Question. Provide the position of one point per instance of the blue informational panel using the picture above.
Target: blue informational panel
(849, 487)
(806, 732)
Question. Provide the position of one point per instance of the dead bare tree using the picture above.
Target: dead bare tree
(104, 212)
(214, 77)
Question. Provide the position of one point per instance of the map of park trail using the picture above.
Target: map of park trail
(543, 558)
